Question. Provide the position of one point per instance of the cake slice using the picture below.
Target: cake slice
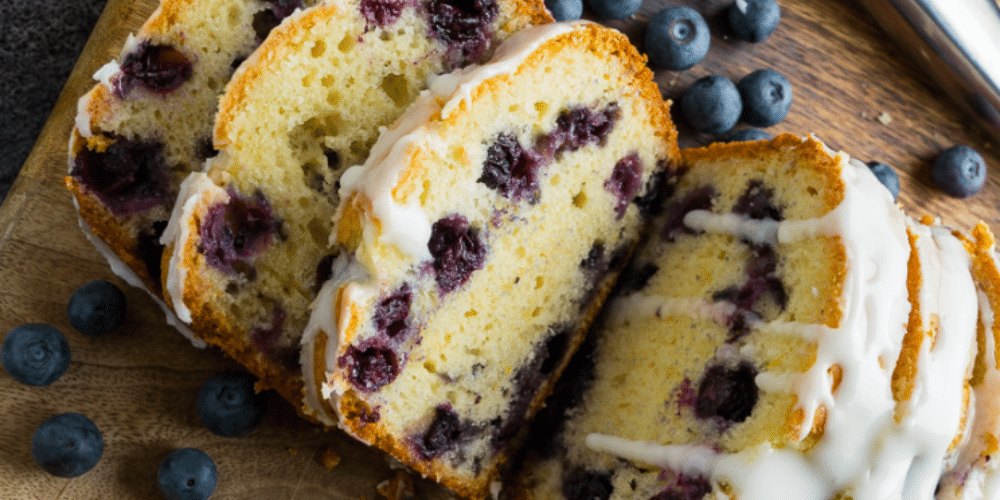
(786, 332)
(148, 122)
(248, 241)
(975, 471)
(477, 243)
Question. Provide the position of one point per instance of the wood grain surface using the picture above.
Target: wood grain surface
(853, 88)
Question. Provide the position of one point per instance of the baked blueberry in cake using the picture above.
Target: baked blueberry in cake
(248, 241)
(148, 122)
(785, 332)
(477, 243)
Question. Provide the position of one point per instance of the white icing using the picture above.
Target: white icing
(195, 188)
(756, 231)
(864, 451)
(638, 305)
(123, 271)
(106, 72)
(325, 318)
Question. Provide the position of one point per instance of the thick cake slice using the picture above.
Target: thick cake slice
(478, 242)
(786, 332)
(148, 122)
(249, 237)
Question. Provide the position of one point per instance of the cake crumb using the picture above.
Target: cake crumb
(293, 451)
(884, 118)
(327, 457)
(399, 487)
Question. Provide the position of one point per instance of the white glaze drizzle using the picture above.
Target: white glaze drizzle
(639, 305)
(195, 188)
(864, 452)
(346, 274)
(975, 475)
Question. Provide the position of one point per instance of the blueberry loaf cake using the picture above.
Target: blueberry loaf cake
(148, 122)
(477, 243)
(975, 472)
(248, 241)
(785, 332)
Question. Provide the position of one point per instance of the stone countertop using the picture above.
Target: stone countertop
(40, 41)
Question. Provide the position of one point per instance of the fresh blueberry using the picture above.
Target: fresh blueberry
(677, 38)
(35, 354)
(565, 10)
(767, 96)
(712, 104)
(959, 171)
(96, 308)
(229, 406)
(754, 20)
(67, 445)
(748, 134)
(887, 176)
(615, 9)
(187, 474)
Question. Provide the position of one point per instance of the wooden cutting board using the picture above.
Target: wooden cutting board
(853, 88)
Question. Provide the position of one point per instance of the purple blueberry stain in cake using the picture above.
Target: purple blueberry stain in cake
(578, 127)
(157, 68)
(757, 202)
(587, 485)
(687, 396)
(457, 251)
(392, 312)
(128, 177)
(382, 13)
(463, 26)
(370, 366)
(512, 170)
(761, 281)
(624, 182)
(727, 392)
(685, 487)
(445, 433)
(369, 416)
(698, 199)
(234, 231)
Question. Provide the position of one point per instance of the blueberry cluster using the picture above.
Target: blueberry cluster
(714, 104)
(70, 444)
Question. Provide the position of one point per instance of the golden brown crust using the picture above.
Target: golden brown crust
(812, 153)
(262, 61)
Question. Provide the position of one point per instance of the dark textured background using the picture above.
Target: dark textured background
(40, 41)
